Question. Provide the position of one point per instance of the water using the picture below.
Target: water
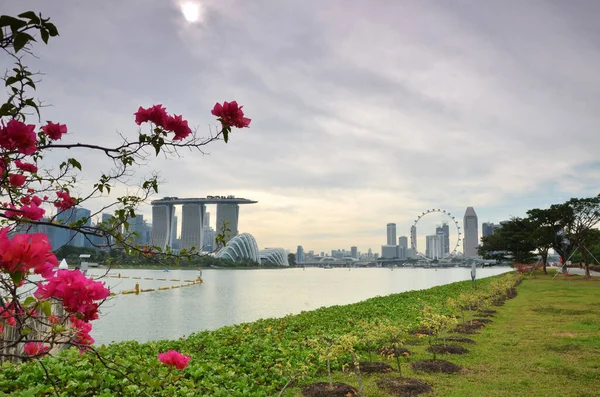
(230, 297)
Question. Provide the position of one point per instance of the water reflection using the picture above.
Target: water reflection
(234, 296)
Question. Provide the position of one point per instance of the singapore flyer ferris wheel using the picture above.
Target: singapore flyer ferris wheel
(446, 249)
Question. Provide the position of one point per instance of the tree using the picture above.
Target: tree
(37, 316)
(513, 239)
(292, 259)
(584, 215)
(545, 224)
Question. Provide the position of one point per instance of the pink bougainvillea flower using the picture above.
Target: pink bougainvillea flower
(64, 201)
(54, 131)
(28, 167)
(25, 252)
(79, 294)
(16, 135)
(230, 115)
(174, 359)
(179, 126)
(156, 114)
(53, 319)
(32, 211)
(16, 180)
(82, 331)
(35, 348)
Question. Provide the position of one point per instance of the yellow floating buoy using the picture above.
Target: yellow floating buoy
(162, 288)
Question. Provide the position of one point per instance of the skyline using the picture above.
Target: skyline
(454, 106)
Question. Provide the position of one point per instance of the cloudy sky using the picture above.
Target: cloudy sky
(363, 112)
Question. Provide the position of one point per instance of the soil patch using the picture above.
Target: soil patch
(420, 332)
(374, 367)
(404, 387)
(443, 366)
(457, 339)
(511, 293)
(487, 312)
(469, 328)
(396, 352)
(498, 302)
(447, 349)
(322, 389)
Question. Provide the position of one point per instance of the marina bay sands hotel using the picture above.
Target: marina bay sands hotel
(193, 212)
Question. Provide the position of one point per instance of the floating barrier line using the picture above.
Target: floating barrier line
(137, 289)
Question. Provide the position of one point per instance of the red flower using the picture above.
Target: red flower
(155, 114)
(32, 211)
(175, 359)
(25, 252)
(177, 125)
(35, 348)
(16, 180)
(230, 115)
(53, 319)
(54, 131)
(79, 294)
(64, 201)
(28, 167)
(18, 136)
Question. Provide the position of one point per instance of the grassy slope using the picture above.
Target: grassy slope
(545, 342)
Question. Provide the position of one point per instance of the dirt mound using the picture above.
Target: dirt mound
(323, 389)
(469, 328)
(487, 312)
(457, 339)
(374, 367)
(443, 366)
(420, 332)
(396, 352)
(511, 293)
(447, 349)
(404, 387)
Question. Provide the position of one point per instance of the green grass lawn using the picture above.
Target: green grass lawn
(544, 342)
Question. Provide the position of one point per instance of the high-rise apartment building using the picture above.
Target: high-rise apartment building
(470, 228)
(434, 246)
(391, 234)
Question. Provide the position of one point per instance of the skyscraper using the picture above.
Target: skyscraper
(445, 231)
(300, 254)
(471, 240)
(487, 229)
(403, 242)
(413, 238)
(391, 234)
(354, 252)
(434, 246)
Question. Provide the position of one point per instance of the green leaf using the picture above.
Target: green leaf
(21, 39)
(46, 308)
(16, 277)
(45, 35)
(11, 80)
(31, 16)
(75, 163)
(51, 29)
(29, 301)
(14, 23)
(25, 331)
(225, 134)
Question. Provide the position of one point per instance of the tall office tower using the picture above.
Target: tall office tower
(413, 238)
(228, 213)
(403, 242)
(445, 231)
(210, 239)
(487, 229)
(207, 219)
(370, 254)
(391, 234)
(162, 224)
(300, 254)
(354, 252)
(192, 229)
(434, 246)
(471, 239)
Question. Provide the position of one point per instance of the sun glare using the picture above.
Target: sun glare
(191, 11)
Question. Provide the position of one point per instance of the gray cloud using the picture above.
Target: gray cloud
(363, 113)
